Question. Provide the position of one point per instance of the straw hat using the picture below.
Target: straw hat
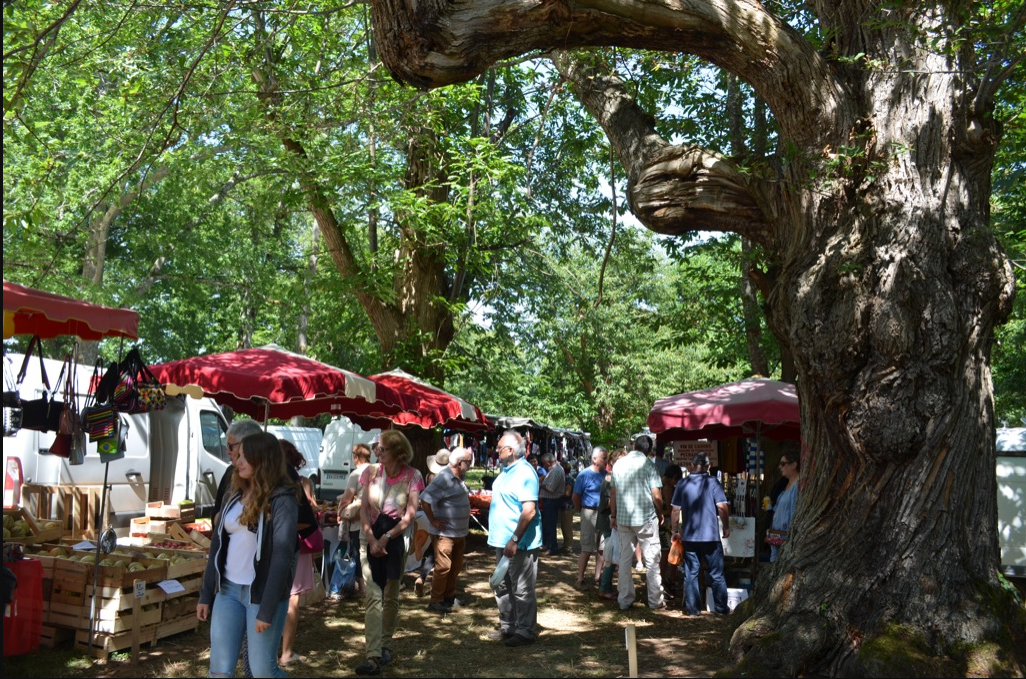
(439, 461)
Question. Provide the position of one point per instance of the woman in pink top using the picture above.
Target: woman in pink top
(391, 495)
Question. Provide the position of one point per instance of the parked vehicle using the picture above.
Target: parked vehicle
(336, 455)
(175, 454)
(1011, 496)
(307, 440)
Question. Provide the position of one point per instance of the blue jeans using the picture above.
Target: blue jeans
(233, 616)
(550, 519)
(712, 553)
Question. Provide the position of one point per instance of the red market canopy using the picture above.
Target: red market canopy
(272, 382)
(427, 406)
(34, 312)
(756, 406)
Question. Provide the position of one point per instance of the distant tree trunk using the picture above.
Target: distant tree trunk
(890, 283)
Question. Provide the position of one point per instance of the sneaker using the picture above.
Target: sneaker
(369, 667)
(499, 635)
(418, 586)
(658, 607)
(515, 640)
(386, 656)
(453, 603)
(439, 607)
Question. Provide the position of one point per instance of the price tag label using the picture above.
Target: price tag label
(140, 588)
(171, 586)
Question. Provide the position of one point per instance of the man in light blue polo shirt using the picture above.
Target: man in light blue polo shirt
(514, 530)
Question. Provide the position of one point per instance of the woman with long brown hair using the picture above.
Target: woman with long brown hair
(252, 562)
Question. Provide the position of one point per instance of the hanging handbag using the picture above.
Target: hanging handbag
(312, 543)
(12, 402)
(40, 414)
(137, 390)
(70, 421)
(113, 447)
(98, 418)
(61, 446)
(78, 449)
(676, 554)
(99, 421)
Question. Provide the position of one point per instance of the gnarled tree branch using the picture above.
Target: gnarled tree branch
(430, 43)
(671, 189)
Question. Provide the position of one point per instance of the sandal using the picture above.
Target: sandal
(370, 666)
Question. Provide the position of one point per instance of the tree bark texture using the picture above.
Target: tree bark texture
(886, 285)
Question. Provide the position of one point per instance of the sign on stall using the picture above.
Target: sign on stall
(684, 452)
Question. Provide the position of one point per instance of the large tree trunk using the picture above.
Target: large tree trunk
(886, 286)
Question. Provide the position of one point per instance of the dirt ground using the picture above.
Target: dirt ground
(581, 635)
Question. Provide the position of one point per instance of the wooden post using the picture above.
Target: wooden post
(140, 591)
(632, 651)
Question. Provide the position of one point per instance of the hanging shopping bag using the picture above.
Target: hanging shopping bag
(343, 578)
(112, 447)
(136, 389)
(12, 402)
(40, 414)
(70, 421)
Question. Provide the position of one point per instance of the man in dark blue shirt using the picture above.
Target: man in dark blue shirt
(697, 502)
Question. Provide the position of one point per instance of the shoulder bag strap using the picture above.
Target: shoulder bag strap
(34, 344)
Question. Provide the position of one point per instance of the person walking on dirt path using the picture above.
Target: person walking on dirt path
(446, 505)
(515, 533)
(636, 504)
(586, 498)
(697, 502)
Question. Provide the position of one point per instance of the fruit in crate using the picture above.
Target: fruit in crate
(8, 521)
(7, 532)
(58, 551)
(136, 566)
(19, 529)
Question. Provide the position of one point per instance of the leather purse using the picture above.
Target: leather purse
(40, 414)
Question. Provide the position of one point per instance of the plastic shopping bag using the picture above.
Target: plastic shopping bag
(343, 578)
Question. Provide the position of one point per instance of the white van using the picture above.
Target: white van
(307, 440)
(175, 454)
(1011, 496)
(336, 455)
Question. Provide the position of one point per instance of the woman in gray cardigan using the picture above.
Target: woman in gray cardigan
(252, 562)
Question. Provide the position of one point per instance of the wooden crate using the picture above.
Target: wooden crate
(180, 513)
(108, 576)
(38, 531)
(106, 621)
(75, 507)
(52, 637)
(180, 607)
(102, 645)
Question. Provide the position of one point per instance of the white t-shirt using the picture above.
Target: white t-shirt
(240, 567)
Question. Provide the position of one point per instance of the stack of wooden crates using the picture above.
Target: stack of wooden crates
(119, 616)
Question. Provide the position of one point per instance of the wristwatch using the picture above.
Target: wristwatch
(388, 535)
